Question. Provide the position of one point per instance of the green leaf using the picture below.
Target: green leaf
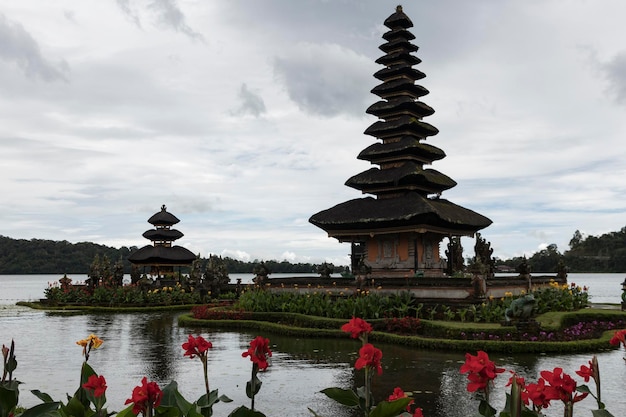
(74, 408)
(583, 388)
(42, 410)
(42, 396)
(225, 399)
(390, 408)
(253, 386)
(313, 412)
(485, 409)
(172, 398)
(8, 400)
(127, 412)
(601, 413)
(342, 396)
(244, 411)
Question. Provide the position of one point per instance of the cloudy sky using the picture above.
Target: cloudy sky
(245, 117)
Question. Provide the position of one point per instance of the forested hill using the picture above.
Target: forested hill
(604, 253)
(37, 256)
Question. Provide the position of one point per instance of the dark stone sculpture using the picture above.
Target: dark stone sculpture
(456, 263)
(521, 309)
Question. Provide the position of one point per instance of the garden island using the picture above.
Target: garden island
(399, 289)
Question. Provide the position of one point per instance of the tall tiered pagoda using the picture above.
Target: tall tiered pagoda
(162, 256)
(398, 231)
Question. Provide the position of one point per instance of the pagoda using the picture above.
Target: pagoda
(162, 256)
(396, 231)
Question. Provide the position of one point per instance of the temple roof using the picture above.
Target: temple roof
(399, 86)
(403, 125)
(401, 105)
(400, 183)
(408, 176)
(408, 147)
(168, 235)
(163, 218)
(409, 212)
(162, 255)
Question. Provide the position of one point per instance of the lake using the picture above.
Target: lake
(149, 344)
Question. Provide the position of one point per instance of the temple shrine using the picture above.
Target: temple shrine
(162, 257)
(397, 230)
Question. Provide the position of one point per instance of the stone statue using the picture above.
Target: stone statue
(484, 254)
(325, 269)
(216, 275)
(261, 271)
(456, 263)
(521, 309)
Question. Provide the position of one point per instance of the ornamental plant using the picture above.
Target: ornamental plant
(259, 352)
(145, 398)
(619, 339)
(369, 360)
(552, 386)
(198, 346)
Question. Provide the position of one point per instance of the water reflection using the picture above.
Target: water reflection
(149, 344)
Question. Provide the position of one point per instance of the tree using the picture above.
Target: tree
(576, 240)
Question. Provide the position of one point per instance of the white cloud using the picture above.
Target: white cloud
(248, 132)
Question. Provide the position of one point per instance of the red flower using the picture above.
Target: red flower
(397, 394)
(259, 351)
(586, 372)
(618, 337)
(97, 384)
(480, 371)
(536, 393)
(145, 396)
(196, 346)
(356, 327)
(562, 386)
(369, 356)
(418, 413)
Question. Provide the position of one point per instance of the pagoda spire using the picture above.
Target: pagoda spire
(398, 228)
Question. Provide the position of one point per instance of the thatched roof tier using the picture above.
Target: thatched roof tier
(402, 126)
(398, 43)
(399, 87)
(398, 33)
(163, 218)
(409, 212)
(406, 148)
(162, 255)
(399, 71)
(399, 182)
(398, 58)
(168, 235)
(397, 106)
(409, 176)
(398, 20)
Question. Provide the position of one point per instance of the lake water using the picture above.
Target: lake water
(149, 344)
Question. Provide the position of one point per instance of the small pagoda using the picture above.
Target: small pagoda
(162, 257)
(397, 232)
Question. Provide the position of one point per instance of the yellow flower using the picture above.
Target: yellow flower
(508, 294)
(91, 342)
(96, 342)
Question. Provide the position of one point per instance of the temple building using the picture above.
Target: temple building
(162, 257)
(397, 230)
